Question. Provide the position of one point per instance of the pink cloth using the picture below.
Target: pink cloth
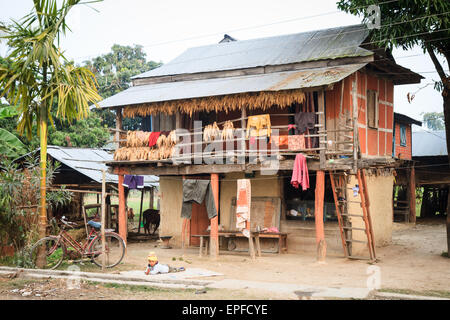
(300, 174)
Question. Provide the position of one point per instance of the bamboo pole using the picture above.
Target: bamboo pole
(103, 219)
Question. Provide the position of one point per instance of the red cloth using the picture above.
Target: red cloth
(300, 174)
(153, 138)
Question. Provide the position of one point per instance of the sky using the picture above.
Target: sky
(166, 28)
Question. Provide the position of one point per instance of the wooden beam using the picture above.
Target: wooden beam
(118, 126)
(318, 216)
(122, 212)
(412, 196)
(321, 109)
(214, 233)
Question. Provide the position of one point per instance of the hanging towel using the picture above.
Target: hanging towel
(133, 182)
(153, 138)
(258, 126)
(296, 142)
(300, 174)
(243, 205)
(198, 191)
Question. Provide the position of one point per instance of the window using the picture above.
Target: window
(402, 135)
(372, 108)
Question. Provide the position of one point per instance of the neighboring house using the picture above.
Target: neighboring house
(432, 170)
(331, 73)
(80, 172)
(404, 197)
(402, 146)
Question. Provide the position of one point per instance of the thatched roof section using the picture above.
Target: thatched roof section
(250, 100)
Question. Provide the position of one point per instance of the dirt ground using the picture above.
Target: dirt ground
(413, 262)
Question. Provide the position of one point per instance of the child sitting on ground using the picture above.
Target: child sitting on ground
(154, 267)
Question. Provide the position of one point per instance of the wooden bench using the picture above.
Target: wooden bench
(281, 236)
(282, 241)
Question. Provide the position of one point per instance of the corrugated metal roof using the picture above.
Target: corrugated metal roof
(90, 162)
(300, 47)
(231, 85)
(426, 143)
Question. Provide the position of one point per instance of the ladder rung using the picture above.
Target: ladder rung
(351, 228)
(344, 142)
(352, 215)
(350, 201)
(358, 241)
(359, 258)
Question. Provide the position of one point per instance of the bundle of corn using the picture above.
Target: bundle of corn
(228, 130)
(252, 100)
(172, 138)
(166, 152)
(161, 141)
(122, 154)
(153, 154)
(132, 154)
(137, 138)
(211, 132)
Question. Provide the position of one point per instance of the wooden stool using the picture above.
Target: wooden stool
(165, 240)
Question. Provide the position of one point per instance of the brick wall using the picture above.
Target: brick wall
(403, 152)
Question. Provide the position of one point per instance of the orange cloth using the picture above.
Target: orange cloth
(280, 141)
(243, 203)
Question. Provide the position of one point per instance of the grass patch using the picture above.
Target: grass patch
(139, 288)
(428, 293)
(445, 254)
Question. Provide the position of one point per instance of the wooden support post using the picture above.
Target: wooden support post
(122, 212)
(140, 210)
(412, 196)
(318, 214)
(103, 220)
(118, 126)
(152, 198)
(355, 126)
(214, 234)
(322, 143)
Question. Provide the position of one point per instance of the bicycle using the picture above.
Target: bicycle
(55, 247)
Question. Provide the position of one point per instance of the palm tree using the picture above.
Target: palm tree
(41, 78)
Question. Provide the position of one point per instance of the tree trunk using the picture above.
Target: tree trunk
(43, 165)
(446, 96)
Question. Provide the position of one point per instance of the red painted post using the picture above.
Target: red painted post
(318, 216)
(214, 234)
(122, 214)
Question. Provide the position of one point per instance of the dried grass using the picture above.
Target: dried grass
(254, 100)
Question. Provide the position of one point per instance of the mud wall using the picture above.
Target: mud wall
(380, 186)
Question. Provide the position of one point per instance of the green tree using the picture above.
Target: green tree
(405, 24)
(434, 120)
(113, 72)
(40, 78)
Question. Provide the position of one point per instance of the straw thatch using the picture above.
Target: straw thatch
(253, 100)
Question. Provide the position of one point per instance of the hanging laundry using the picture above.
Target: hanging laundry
(303, 121)
(133, 182)
(198, 191)
(243, 205)
(280, 141)
(153, 138)
(300, 175)
(296, 142)
(258, 126)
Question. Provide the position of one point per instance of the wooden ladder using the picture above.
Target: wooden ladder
(341, 199)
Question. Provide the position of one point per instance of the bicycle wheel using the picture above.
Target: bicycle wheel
(53, 252)
(114, 250)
